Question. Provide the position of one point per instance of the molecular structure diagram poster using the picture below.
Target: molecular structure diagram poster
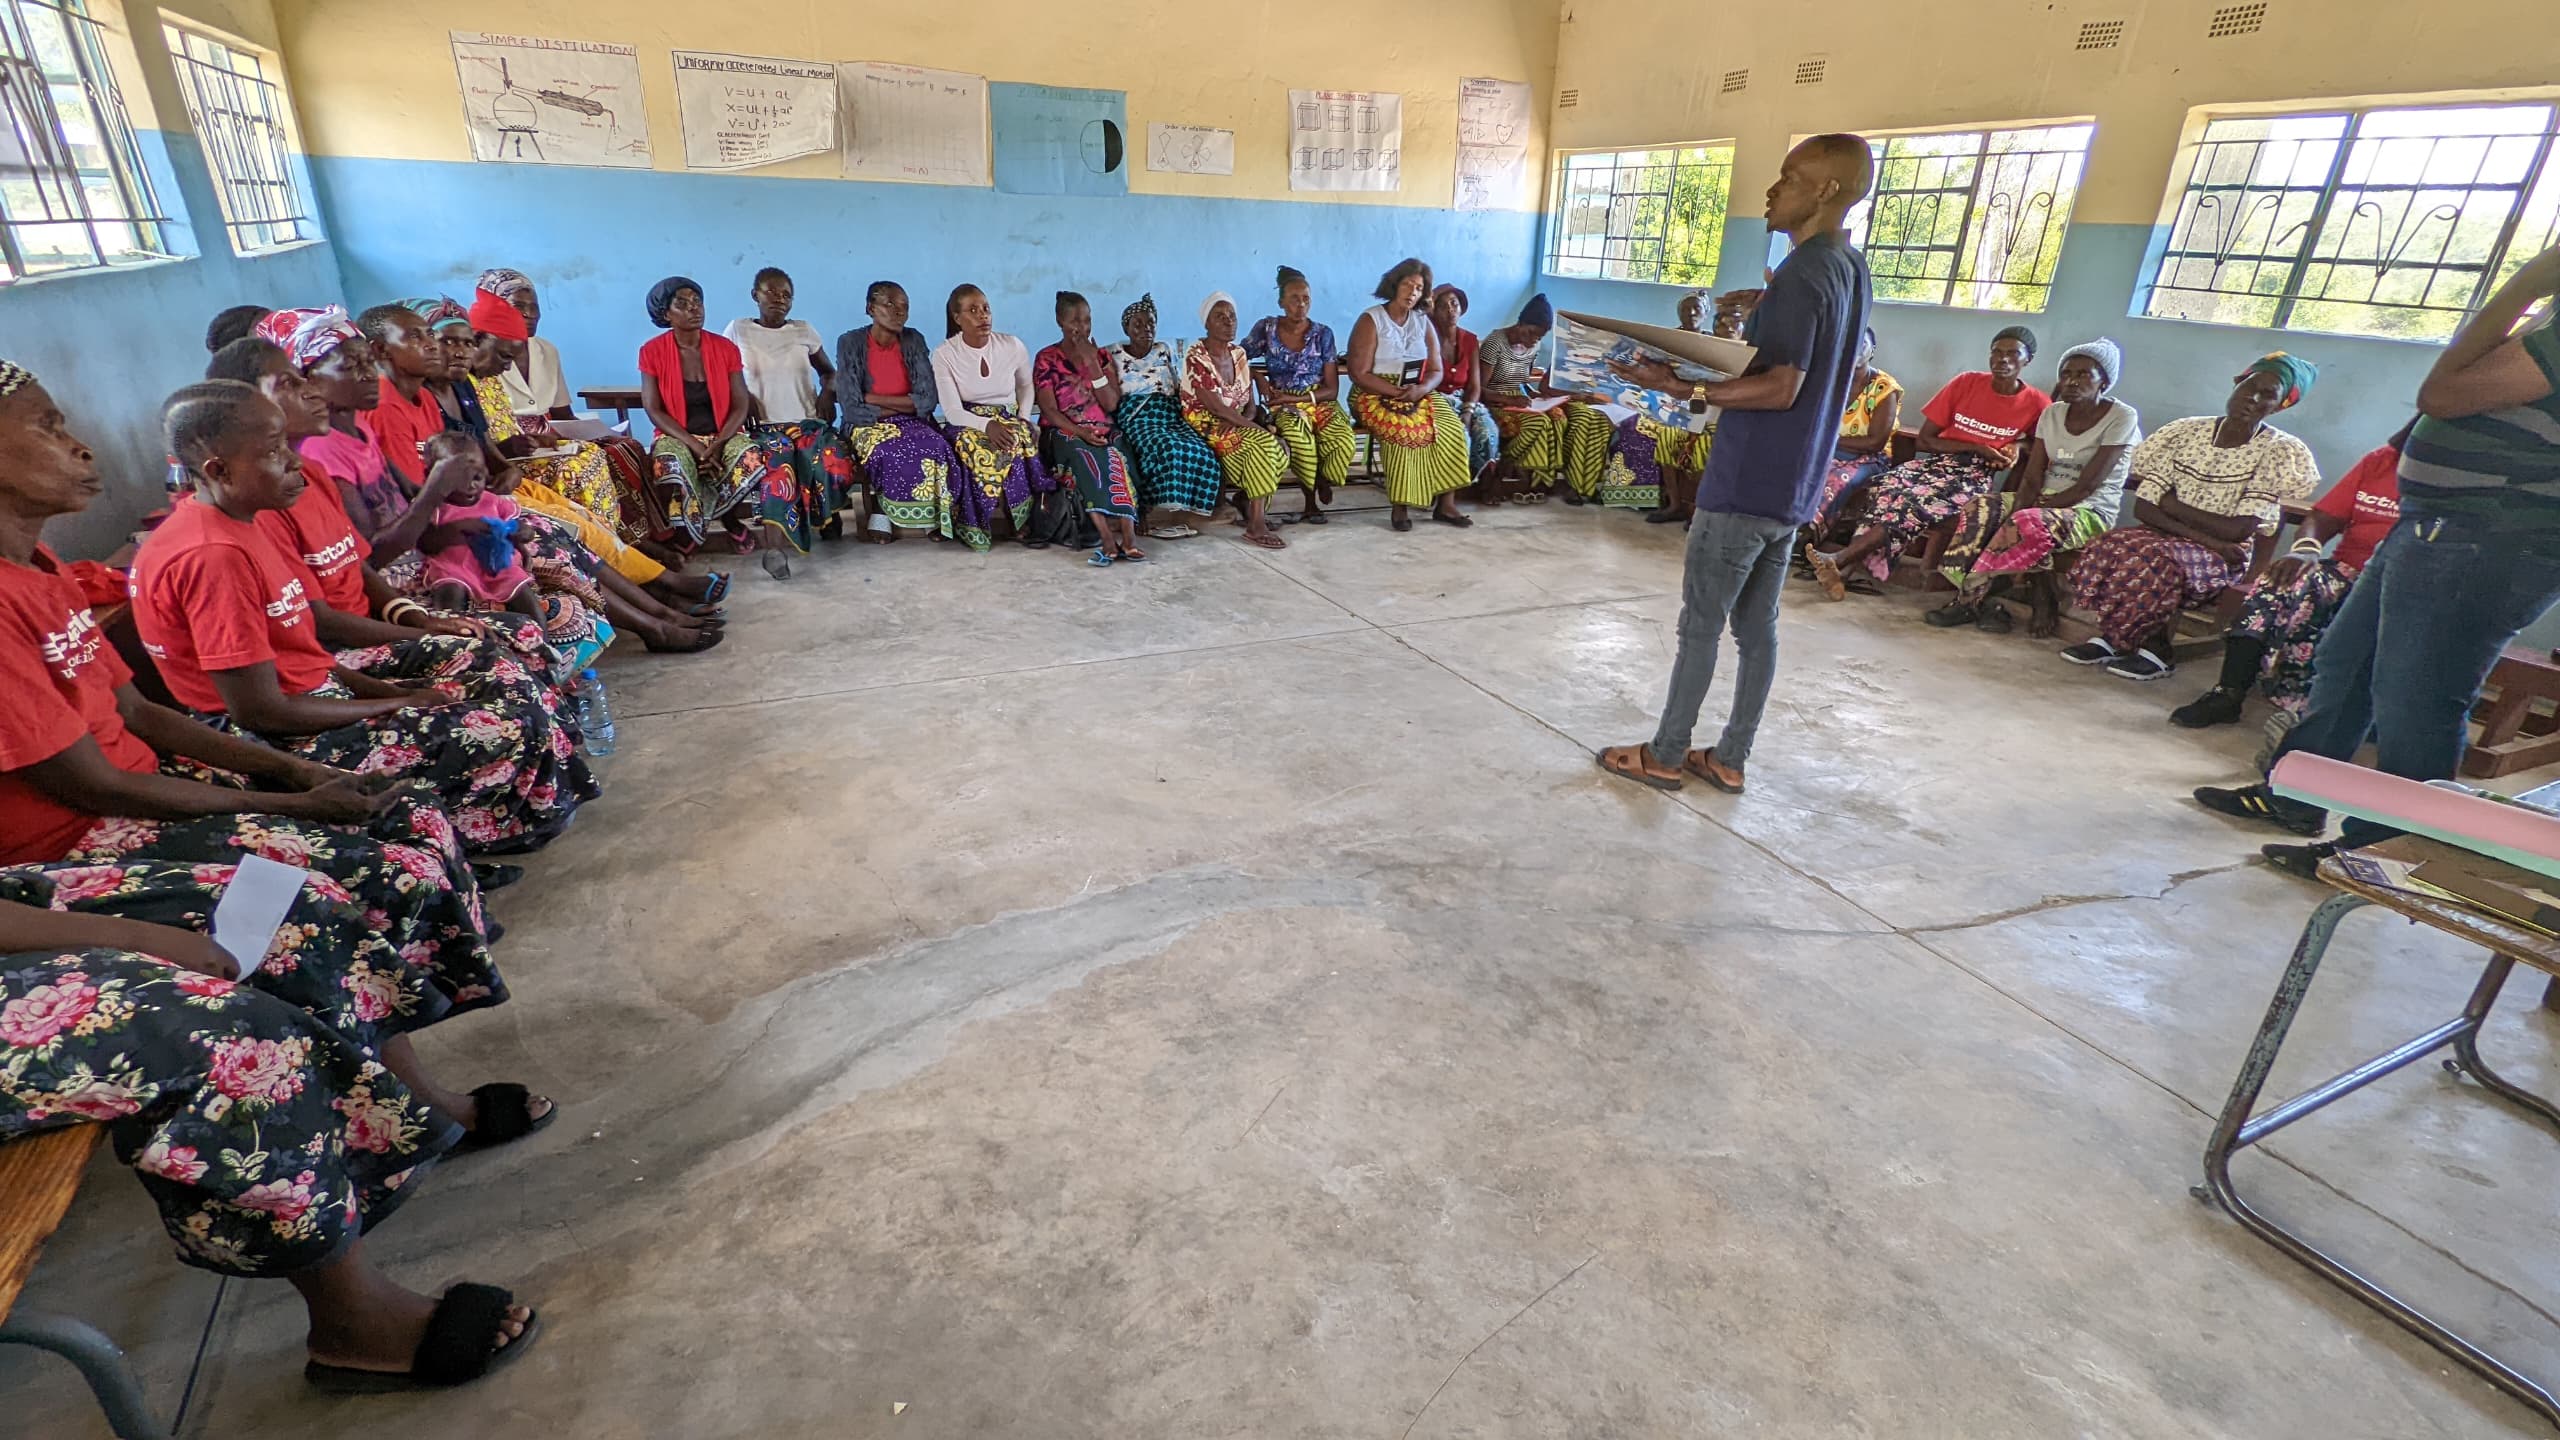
(1052, 140)
(529, 101)
(1191, 149)
(902, 122)
(1345, 139)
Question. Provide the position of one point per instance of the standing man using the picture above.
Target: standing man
(1764, 475)
(2474, 559)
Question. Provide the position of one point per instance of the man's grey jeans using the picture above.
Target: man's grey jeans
(1737, 565)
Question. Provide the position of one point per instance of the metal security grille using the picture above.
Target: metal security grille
(239, 118)
(73, 192)
(1971, 218)
(2392, 222)
(1653, 215)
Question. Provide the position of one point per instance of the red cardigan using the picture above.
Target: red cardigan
(721, 364)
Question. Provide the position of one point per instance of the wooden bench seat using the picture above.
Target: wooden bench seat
(2517, 717)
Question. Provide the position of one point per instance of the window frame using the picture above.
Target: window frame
(2540, 181)
(59, 181)
(1552, 251)
(261, 213)
(1968, 246)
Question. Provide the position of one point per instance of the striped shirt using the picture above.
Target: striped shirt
(2505, 462)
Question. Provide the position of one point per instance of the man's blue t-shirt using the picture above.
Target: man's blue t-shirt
(1770, 463)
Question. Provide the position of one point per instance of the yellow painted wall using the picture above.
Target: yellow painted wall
(377, 80)
(1649, 70)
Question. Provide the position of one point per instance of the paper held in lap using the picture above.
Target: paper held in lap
(1586, 344)
(253, 907)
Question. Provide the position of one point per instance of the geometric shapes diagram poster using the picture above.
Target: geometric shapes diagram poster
(905, 122)
(530, 101)
(1345, 139)
(741, 111)
(1055, 140)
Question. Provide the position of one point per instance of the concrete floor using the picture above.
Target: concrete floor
(1221, 998)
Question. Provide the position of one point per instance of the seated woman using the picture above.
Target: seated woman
(270, 1141)
(1301, 377)
(2209, 495)
(1177, 472)
(693, 384)
(884, 379)
(984, 379)
(807, 470)
(1692, 312)
(537, 390)
(1395, 376)
(1970, 437)
(1461, 383)
(2280, 625)
(1865, 446)
(1217, 401)
(2070, 488)
(1078, 388)
(1542, 445)
(236, 322)
(229, 618)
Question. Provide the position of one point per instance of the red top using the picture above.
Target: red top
(2367, 497)
(401, 426)
(211, 593)
(721, 364)
(888, 367)
(317, 531)
(1969, 409)
(59, 675)
(1460, 365)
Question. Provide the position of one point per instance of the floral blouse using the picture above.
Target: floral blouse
(1862, 407)
(1200, 377)
(1054, 372)
(1291, 370)
(1153, 373)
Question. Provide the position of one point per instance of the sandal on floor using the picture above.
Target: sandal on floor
(1266, 541)
(460, 1346)
(506, 1114)
(1401, 522)
(709, 639)
(1629, 764)
(1702, 763)
(492, 875)
(2092, 651)
(1101, 558)
(718, 589)
(1133, 553)
(1314, 517)
(1171, 532)
(1461, 521)
(1826, 573)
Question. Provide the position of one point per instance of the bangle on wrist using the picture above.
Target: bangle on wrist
(2307, 546)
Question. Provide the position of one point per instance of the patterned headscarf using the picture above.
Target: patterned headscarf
(2103, 353)
(307, 336)
(439, 312)
(503, 283)
(1216, 299)
(2025, 337)
(14, 378)
(2295, 373)
(662, 297)
(1145, 305)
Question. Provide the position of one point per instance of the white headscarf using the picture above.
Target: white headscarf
(1216, 298)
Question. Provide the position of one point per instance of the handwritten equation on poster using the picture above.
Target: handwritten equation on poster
(1346, 140)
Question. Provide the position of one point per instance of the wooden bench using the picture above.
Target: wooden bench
(621, 400)
(2517, 715)
(38, 1176)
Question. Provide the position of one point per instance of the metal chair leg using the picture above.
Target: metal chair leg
(2466, 1047)
(100, 1363)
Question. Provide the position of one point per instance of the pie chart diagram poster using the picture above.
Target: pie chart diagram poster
(1052, 140)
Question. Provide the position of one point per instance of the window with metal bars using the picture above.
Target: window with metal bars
(1971, 218)
(2390, 221)
(239, 117)
(73, 190)
(1654, 215)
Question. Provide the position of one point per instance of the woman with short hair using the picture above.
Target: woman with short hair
(1395, 374)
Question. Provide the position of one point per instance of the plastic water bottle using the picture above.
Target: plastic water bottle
(595, 715)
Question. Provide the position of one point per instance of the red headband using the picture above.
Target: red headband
(497, 317)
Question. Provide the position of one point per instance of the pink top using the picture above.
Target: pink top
(459, 564)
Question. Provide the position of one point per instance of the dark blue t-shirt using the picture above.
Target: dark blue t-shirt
(1770, 463)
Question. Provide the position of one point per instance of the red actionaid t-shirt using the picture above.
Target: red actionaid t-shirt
(401, 426)
(58, 679)
(2367, 497)
(212, 593)
(1969, 409)
(317, 532)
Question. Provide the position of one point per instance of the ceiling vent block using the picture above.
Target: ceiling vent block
(1809, 72)
(1734, 81)
(2231, 20)
(2100, 35)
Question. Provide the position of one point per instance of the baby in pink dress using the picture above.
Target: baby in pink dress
(459, 575)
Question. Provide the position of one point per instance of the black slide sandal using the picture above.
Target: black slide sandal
(456, 1349)
(506, 1114)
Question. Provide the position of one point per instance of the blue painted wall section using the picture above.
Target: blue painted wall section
(595, 240)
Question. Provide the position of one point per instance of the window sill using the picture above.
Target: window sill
(269, 252)
(83, 271)
(2294, 335)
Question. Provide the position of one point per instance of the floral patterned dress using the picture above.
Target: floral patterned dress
(1102, 473)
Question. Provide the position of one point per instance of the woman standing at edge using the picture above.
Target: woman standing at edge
(1395, 377)
(1301, 374)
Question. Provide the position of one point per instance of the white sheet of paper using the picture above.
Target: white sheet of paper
(1190, 149)
(1346, 140)
(741, 111)
(904, 122)
(582, 428)
(1493, 144)
(253, 907)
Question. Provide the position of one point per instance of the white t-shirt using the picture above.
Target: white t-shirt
(778, 371)
(2066, 456)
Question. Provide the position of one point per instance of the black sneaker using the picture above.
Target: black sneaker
(2259, 803)
(2302, 862)
(2092, 651)
(2216, 706)
(1953, 614)
(2141, 666)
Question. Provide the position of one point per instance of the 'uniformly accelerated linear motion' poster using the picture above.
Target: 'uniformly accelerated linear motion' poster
(740, 111)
